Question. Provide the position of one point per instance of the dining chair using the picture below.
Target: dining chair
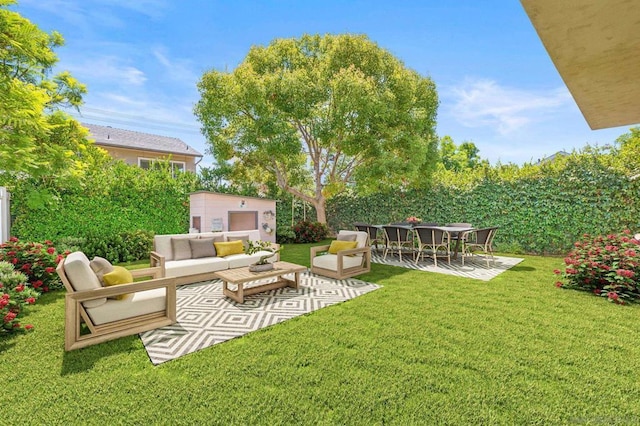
(433, 239)
(397, 238)
(480, 239)
(374, 233)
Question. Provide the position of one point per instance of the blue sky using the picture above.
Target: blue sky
(141, 60)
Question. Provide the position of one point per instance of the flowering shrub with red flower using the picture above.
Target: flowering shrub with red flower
(37, 261)
(607, 266)
(14, 296)
(310, 232)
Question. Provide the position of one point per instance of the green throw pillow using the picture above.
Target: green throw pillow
(337, 246)
(119, 275)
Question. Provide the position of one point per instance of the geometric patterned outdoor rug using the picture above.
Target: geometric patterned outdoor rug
(206, 317)
(476, 268)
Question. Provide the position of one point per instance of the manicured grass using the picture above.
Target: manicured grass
(424, 349)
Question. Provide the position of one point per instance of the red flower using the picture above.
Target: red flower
(59, 258)
(49, 269)
(19, 288)
(48, 242)
(26, 267)
(3, 303)
(51, 250)
(557, 271)
(558, 284)
(14, 260)
(30, 300)
(597, 291)
(13, 239)
(37, 284)
(28, 327)
(625, 273)
(612, 295)
(5, 296)
(10, 317)
(572, 271)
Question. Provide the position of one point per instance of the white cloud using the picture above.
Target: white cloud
(484, 103)
(107, 69)
(177, 69)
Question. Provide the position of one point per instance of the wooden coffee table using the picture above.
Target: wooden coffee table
(241, 276)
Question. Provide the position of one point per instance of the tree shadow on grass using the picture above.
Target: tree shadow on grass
(519, 268)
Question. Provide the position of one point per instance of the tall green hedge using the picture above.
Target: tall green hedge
(543, 212)
(107, 201)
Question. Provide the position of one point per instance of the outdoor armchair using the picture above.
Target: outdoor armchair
(344, 263)
(113, 311)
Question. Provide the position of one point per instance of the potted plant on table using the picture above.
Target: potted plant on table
(262, 264)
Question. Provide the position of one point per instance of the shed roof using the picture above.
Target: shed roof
(120, 138)
(595, 46)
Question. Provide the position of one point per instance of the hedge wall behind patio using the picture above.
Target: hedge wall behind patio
(545, 213)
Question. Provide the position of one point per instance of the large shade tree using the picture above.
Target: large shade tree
(36, 139)
(320, 114)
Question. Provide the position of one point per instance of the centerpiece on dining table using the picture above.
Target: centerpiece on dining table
(263, 263)
(413, 220)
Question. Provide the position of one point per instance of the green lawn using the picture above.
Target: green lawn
(424, 349)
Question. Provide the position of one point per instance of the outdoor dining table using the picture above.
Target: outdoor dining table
(460, 230)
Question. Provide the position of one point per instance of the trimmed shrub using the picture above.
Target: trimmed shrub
(310, 232)
(285, 235)
(608, 266)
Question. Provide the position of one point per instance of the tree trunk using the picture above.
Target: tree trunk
(321, 211)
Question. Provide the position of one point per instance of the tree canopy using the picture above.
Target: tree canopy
(35, 138)
(320, 114)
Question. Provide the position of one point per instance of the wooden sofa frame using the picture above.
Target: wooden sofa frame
(75, 313)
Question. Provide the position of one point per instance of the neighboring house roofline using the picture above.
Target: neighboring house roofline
(134, 140)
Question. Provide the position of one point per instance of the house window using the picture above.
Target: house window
(144, 163)
(176, 166)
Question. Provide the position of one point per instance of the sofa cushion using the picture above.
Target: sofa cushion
(78, 270)
(162, 244)
(119, 275)
(133, 305)
(337, 246)
(100, 266)
(181, 248)
(243, 238)
(232, 247)
(330, 261)
(181, 268)
(202, 248)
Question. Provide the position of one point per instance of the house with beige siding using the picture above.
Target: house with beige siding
(142, 149)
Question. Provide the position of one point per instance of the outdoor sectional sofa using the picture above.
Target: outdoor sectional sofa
(174, 258)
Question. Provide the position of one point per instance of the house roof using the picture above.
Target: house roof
(595, 46)
(120, 138)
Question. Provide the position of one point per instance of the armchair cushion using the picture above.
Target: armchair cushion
(119, 275)
(330, 261)
(81, 276)
(100, 266)
(338, 245)
(139, 303)
(228, 248)
(361, 238)
(346, 237)
(202, 248)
